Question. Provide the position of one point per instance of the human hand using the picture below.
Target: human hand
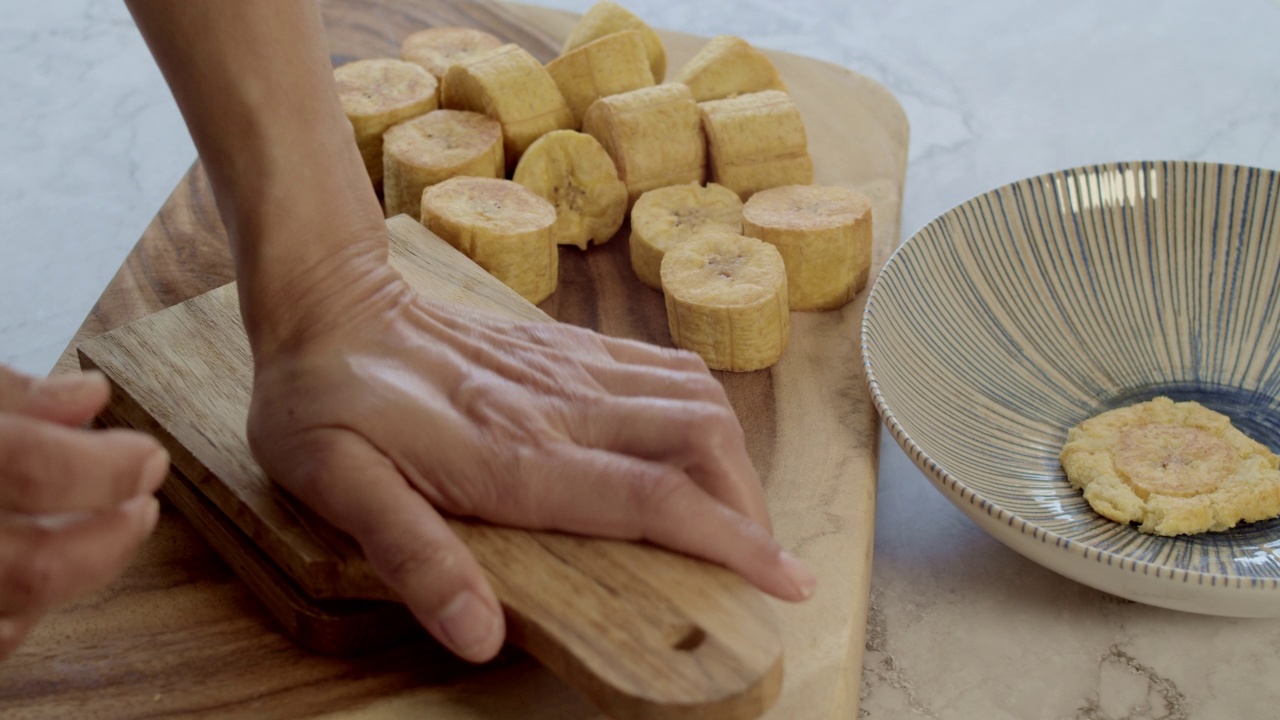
(395, 410)
(75, 504)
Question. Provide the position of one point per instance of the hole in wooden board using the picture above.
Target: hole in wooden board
(690, 640)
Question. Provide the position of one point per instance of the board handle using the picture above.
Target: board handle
(644, 633)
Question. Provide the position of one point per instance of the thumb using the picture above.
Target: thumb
(408, 544)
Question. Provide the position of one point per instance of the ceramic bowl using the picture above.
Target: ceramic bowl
(1032, 307)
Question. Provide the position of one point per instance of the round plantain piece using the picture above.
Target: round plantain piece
(755, 142)
(434, 147)
(726, 298)
(571, 171)
(512, 87)
(376, 94)
(824, 235)
(440, 48)
(606, 18)
(666, 218)
(503, 226)
(610, 65)
(728, 66)
(1174, 467)
(653, 134)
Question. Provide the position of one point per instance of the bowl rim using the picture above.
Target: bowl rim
(956, 489)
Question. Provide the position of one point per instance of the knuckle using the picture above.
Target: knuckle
(703, 386)
(13, 631)
(685, 360)
(524, 497)
(401, 562)
(544, 333)
(28, 474)
(716, 425)
(15, 387)
(762, 550)
(481, 490)
(313, 467)
(32, 581)
(507, 488)
(651, 493)
(479, 398)
(554, 335)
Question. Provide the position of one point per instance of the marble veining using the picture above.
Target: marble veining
(883, 678)
(1130, 690)
(961, 627)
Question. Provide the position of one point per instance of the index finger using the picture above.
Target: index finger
(598, 492)
(48, 468)
(702, 438)
(69, 399)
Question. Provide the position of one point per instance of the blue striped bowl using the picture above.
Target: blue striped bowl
(1027, 309)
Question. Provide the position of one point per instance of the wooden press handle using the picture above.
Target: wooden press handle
(642, 632)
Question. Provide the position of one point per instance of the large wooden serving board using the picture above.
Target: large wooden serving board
(178, 636)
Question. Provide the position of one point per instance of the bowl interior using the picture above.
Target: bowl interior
(1025, 310)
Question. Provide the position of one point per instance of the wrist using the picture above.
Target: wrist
(309, 239)
(288, 305)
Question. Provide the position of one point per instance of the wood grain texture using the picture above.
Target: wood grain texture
(642, 632)
(811, 429)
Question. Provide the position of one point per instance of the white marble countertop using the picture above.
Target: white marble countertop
(996, 90)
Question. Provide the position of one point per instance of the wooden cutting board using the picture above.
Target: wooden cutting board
(178, 637)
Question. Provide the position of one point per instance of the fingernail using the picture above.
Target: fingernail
(154, 471)
(8, 631)
(147, 507)
(151, 514)
(466, 624)
(67, 388)
(799, 575)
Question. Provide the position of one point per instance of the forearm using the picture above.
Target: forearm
(254, 83)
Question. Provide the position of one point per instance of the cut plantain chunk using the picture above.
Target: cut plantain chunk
(512, 87)
(756, 141)
(665, 218)
(574, 173)
(376, 94)
(654, 136)
(824, 236)
(440, 48)
(726, 298)
(504, 227)
(606, 18)
(432, 148)
(610, 65)
(727, 66)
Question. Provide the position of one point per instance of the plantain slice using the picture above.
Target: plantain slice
(727, 66)
(726, 298)
(653, 134)
(512, 87)
(606, 18)
(610, 65)
(440, 48)
(824, 235)
(665, 218)
(501, 225)
(573, 172)
(434, 147)
(376, 94)
(755, 142)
